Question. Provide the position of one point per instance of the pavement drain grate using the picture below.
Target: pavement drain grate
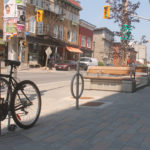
(86, 97)
(93, 104)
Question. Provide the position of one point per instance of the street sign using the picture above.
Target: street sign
(48, 51)
(125, 31)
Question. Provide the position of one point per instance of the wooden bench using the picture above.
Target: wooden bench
(142, 70)
(142, 76)
(103, 72)
(110, 78)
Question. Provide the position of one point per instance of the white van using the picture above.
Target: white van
(88, 61)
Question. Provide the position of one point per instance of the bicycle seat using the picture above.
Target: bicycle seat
(12, 62)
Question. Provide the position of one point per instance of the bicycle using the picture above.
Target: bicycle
(19, 100)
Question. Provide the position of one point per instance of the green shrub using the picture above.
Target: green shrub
(100, 63)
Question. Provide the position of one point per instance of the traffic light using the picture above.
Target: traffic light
(149, 40)
(106, 13)
(39, 16)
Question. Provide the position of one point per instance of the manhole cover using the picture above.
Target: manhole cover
(94, 104)
(86, 97)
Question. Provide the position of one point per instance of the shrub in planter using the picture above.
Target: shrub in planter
(100, 63)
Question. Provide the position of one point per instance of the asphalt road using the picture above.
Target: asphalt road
(46, 77)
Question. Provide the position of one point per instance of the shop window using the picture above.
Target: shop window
(88, 42)
(32, 24)
(83, 41)
(61, 32)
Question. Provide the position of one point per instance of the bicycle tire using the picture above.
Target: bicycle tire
(4, 89)
(23, 104)
(72, 85)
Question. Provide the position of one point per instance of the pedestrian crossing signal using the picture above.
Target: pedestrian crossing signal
(39, 16)
(106, 12)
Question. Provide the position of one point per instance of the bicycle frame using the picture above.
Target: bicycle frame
(11, 83)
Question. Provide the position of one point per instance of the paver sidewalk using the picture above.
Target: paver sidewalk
(121, 123)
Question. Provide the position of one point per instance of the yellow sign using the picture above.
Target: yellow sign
(106, 12)
(39, 16)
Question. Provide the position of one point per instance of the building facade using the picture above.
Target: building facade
(86, 38)
(59, 30)
(141, 52)
(103, 39)
(130, 55)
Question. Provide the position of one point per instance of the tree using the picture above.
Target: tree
(122, 12)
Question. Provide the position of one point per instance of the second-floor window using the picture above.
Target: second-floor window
(55, 31)
(56, 9)
(32, 24)
(32, 2)
(42, 3)
(74, 36)
(88, 42)
(61, 32)
(37, 3)
(47, 5)
(47, 28)
(83, 41)
(40, 28)
(69, 35)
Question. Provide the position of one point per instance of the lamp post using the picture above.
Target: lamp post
(93, 47)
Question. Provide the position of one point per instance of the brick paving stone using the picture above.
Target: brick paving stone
(100, 145)
(144, 130)
(129, 148)
(125, 137)
(147, 141)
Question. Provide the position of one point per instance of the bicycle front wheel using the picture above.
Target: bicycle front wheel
(26, 104)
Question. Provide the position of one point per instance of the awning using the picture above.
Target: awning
(74, 50)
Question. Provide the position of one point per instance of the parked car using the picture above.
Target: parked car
(66, 65)
(88, 61)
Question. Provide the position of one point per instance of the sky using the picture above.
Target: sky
(92, 12)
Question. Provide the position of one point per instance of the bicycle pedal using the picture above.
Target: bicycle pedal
(12, 127)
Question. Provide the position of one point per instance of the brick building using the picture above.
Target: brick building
(86, 38)
(59, 30)
(130, 56)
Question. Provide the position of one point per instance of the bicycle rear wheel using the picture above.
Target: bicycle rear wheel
(26, 104)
